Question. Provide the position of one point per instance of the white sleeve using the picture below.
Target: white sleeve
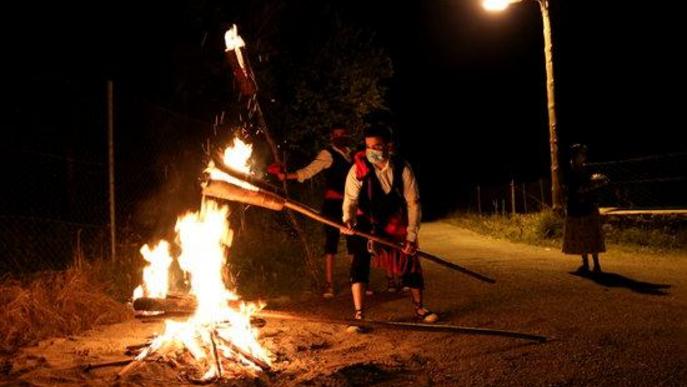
(411, 192)
(351, 193)
(323, 161)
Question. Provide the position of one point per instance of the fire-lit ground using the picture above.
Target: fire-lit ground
(616, 333)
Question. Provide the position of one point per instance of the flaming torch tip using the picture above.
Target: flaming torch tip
(232, 39)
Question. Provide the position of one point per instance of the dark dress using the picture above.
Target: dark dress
(582, 233)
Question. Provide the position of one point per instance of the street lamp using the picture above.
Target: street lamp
(500, 5)
(497, 5)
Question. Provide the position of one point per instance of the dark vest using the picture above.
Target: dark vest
(335, 175)
(378, 206)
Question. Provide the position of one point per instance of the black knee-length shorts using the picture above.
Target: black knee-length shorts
(333, 209)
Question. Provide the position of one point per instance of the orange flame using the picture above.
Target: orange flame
(156, 273)
(237, 157)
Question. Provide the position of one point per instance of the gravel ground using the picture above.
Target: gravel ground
(621, 328)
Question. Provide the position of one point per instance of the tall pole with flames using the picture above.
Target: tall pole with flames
(245, 79)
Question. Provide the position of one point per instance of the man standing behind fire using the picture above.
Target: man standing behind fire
(382, 197)
(335, 160)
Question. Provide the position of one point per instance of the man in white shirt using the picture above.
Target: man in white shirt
(382, 197)
(335, 160)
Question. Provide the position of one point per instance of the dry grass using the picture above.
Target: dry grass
(54, 303)
(542, 228)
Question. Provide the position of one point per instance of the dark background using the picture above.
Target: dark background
(468, 95)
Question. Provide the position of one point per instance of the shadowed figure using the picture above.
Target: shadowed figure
(582, 234)
(613, 280)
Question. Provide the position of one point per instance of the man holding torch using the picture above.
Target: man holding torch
(335, 160)
(382, 197)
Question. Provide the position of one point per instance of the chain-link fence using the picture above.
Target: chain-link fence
(646, 182)
(53, 209)
(31, 244)
(652, 182)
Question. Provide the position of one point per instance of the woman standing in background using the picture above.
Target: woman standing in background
(582, 233)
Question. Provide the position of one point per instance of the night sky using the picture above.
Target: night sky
(468, 95)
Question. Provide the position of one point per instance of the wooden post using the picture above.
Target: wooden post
(110, 164)
(503, 207)
(78, 251)
(512, 196)
(479, 201)
(556, 199)
(541, 194)
(524, 197)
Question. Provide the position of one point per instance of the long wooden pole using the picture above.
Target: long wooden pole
(118, 363)
(310, 258)
(405, 326)
(279, 315)
(248, 87)
(307, 212)
(264, 198)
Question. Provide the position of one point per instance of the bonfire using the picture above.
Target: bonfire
(218, 337)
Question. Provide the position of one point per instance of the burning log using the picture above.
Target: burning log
(219, 165)
(172, 305)
(181, 306)
(148, 304)
(215, 354)
(256, 197)
(260, 197)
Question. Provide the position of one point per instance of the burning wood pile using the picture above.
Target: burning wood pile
(218, 339)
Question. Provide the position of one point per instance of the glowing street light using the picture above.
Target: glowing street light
(497, 5)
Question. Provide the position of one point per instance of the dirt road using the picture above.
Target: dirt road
(621, 328)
